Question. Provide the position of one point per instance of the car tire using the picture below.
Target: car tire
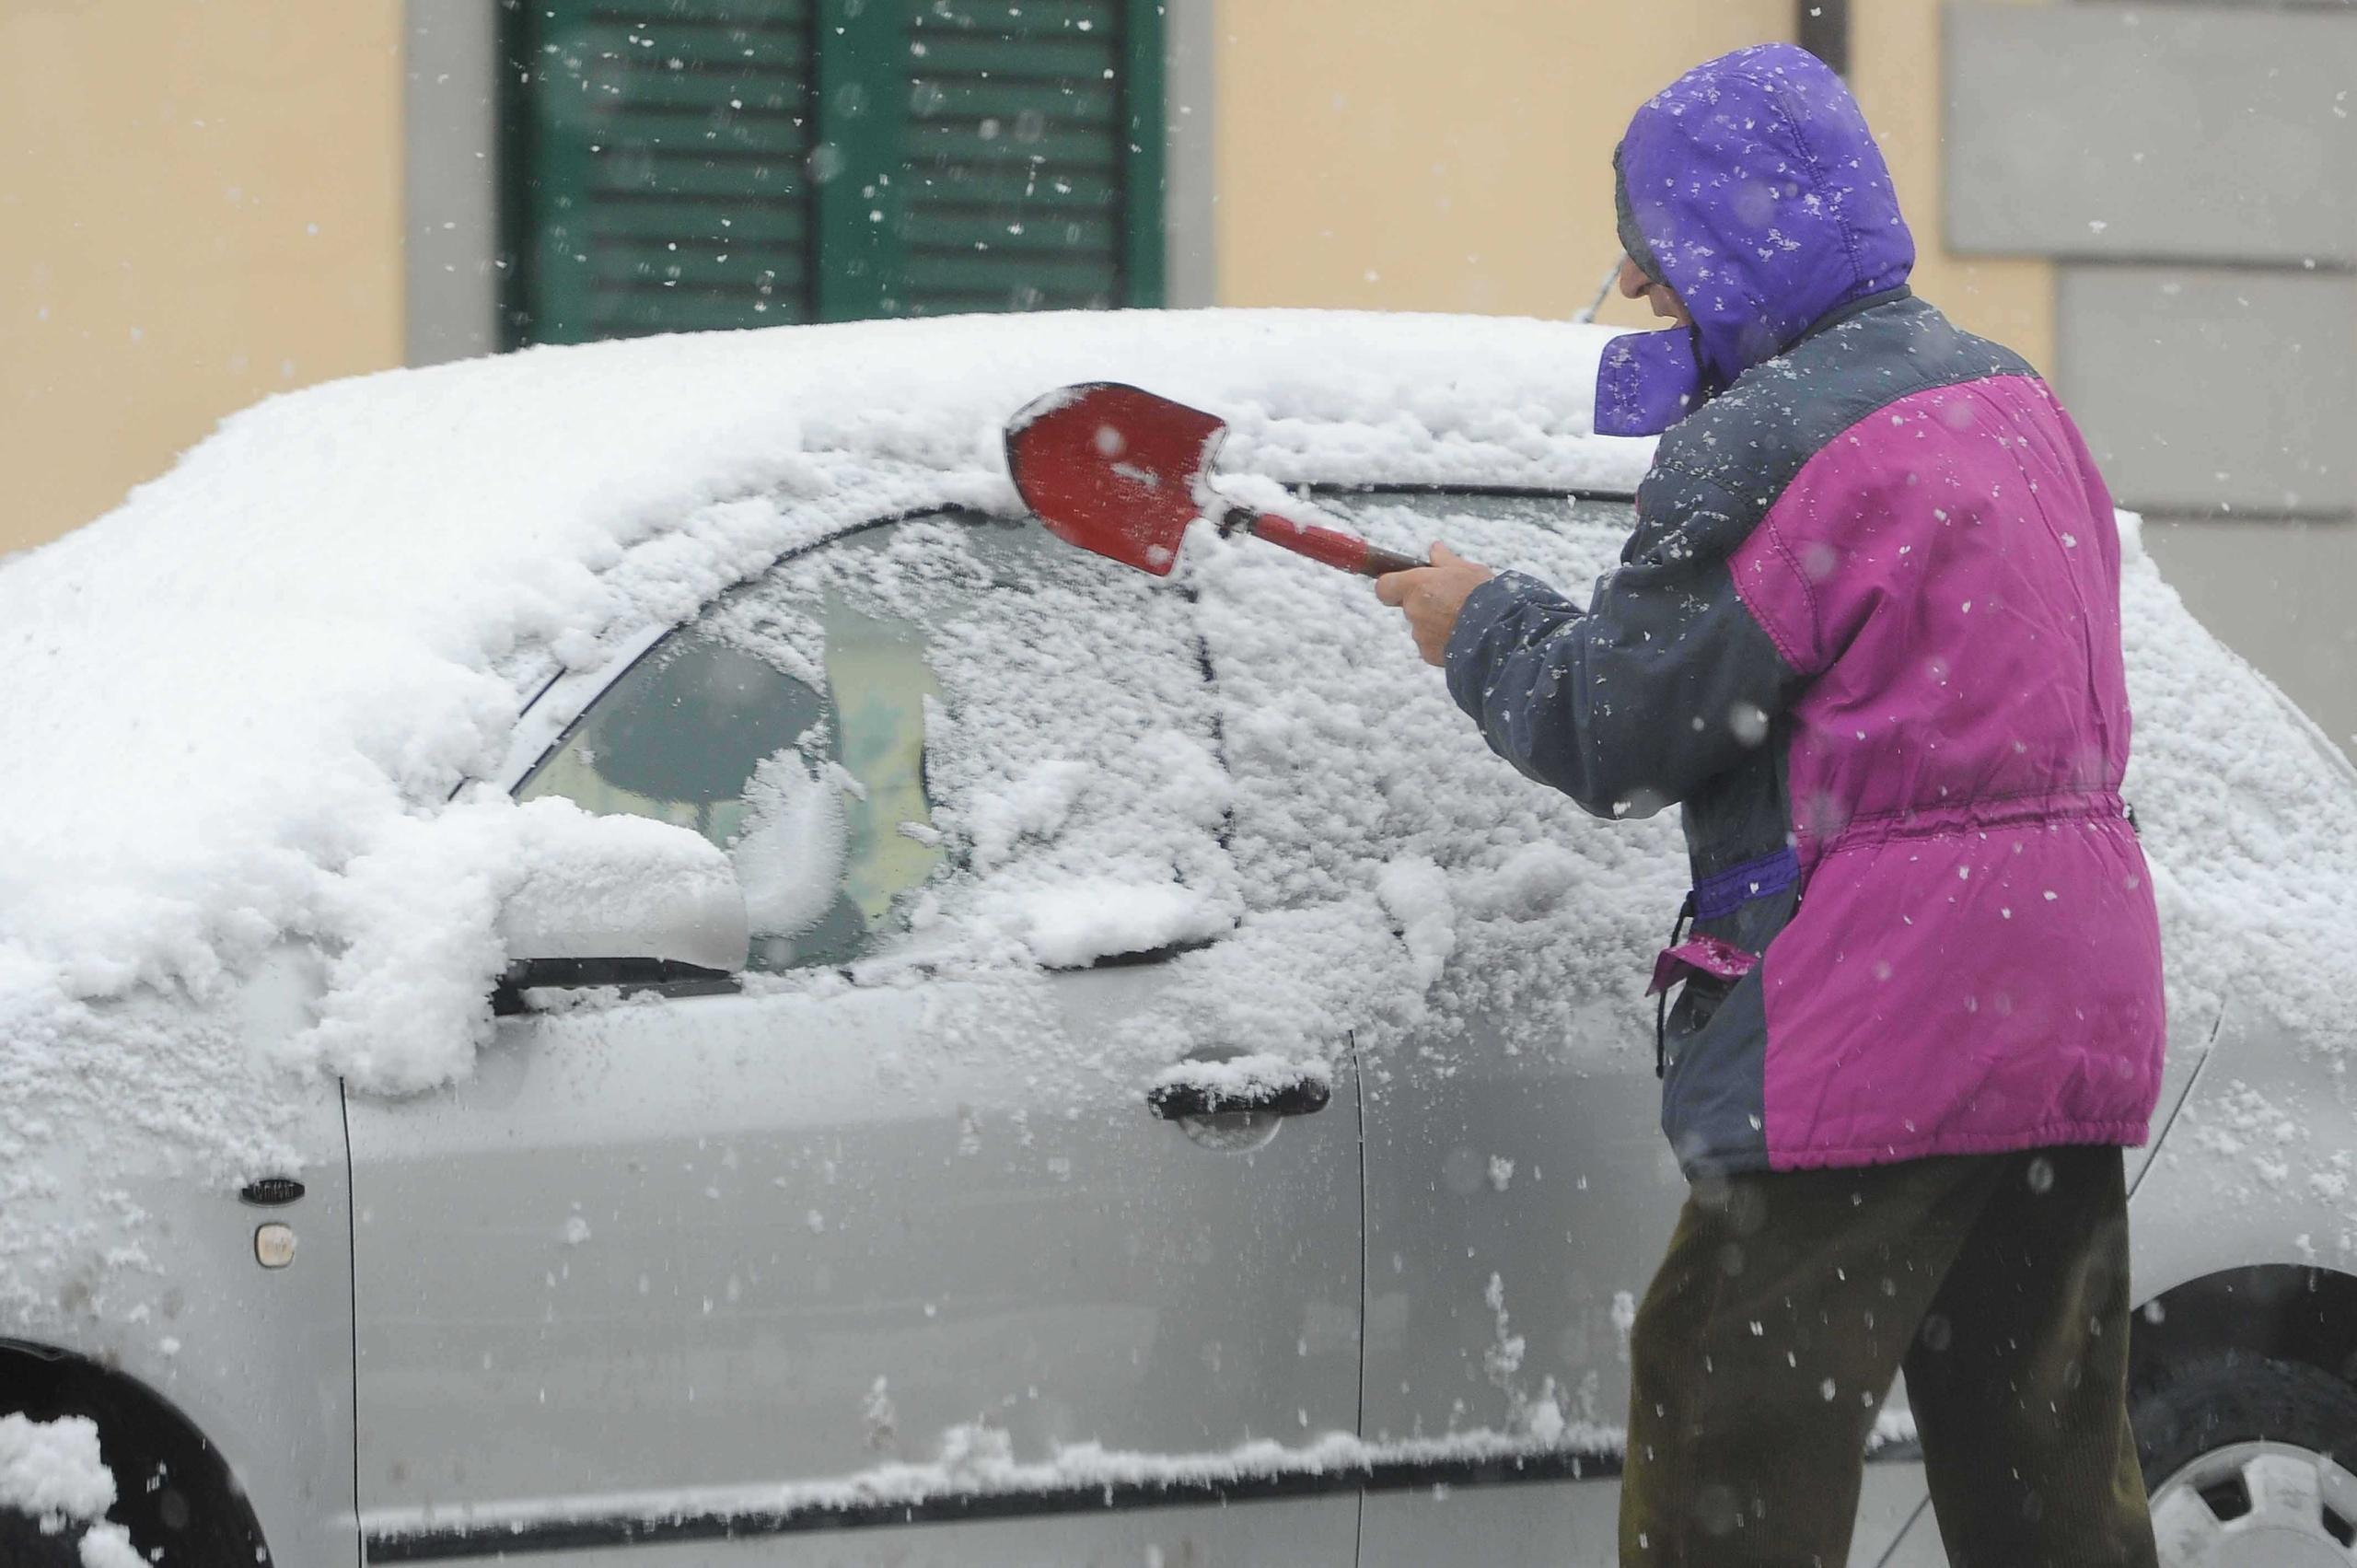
(2249, 1459)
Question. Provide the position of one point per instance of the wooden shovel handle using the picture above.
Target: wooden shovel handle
(1330, 546)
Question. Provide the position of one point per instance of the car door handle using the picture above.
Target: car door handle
(1265, 1085)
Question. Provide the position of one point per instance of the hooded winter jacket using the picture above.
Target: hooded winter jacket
(1867, 632)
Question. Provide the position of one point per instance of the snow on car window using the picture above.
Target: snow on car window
(934, 689)
(1398, 872)
(1069, 749)
(1417, 878)
(1322, 807)
(794, 743)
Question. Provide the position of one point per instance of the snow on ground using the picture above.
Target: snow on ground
(51, 1471)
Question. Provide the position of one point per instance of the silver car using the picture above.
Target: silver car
(1152, 1088)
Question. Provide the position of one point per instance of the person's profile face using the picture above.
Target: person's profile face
(1660, 295)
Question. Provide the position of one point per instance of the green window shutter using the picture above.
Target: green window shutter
(1023, 145)
(660, 159)
(684, 164)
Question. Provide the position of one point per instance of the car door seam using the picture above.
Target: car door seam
(2209, 1054)
(1358, 1099)
(351, 1278)
(1913, 1517)
(1358, 1417)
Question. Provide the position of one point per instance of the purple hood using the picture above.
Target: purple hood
(1765, 203)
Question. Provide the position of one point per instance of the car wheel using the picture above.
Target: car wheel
(23, 1546)
(2249, 1465)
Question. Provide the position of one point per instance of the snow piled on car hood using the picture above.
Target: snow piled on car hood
(255, 679)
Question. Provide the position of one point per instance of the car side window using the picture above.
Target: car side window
(948, 727)
(812, 778)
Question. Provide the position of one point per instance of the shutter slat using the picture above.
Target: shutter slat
(934, 228)
(672, 131)
(759, 271)
(1051, 60)
(653, 48)
(730, 13)
(733, 219)
(1018, 18)
(933, 272)
(962, 303)
(641, 176)
(707, 91)
(992, 144)
(622, 315)
(973, 99)
(1004, 189)
(691, 43)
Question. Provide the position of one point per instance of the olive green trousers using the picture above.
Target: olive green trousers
(1788, 1301)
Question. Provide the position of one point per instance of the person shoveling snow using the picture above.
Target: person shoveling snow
(1867, 634)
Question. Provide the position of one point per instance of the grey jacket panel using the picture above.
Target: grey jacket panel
(1713, 1096)
(1665, 682)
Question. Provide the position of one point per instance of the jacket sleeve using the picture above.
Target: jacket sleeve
(1665, 680)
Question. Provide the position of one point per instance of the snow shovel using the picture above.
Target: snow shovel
(1120, 472)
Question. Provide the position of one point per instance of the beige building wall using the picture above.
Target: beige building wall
(1456, 154)
(1895, 69)
(199, 204)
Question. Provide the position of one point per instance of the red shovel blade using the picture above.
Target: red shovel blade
(1114, 468)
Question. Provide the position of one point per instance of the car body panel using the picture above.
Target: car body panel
(258, 1360)
(2259, 1164)
(1571, 1220)
(1557, 1524)
(1514, 1204)
(1539, 1165)
(658, 1251)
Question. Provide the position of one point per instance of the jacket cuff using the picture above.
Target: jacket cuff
(1465, 660)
